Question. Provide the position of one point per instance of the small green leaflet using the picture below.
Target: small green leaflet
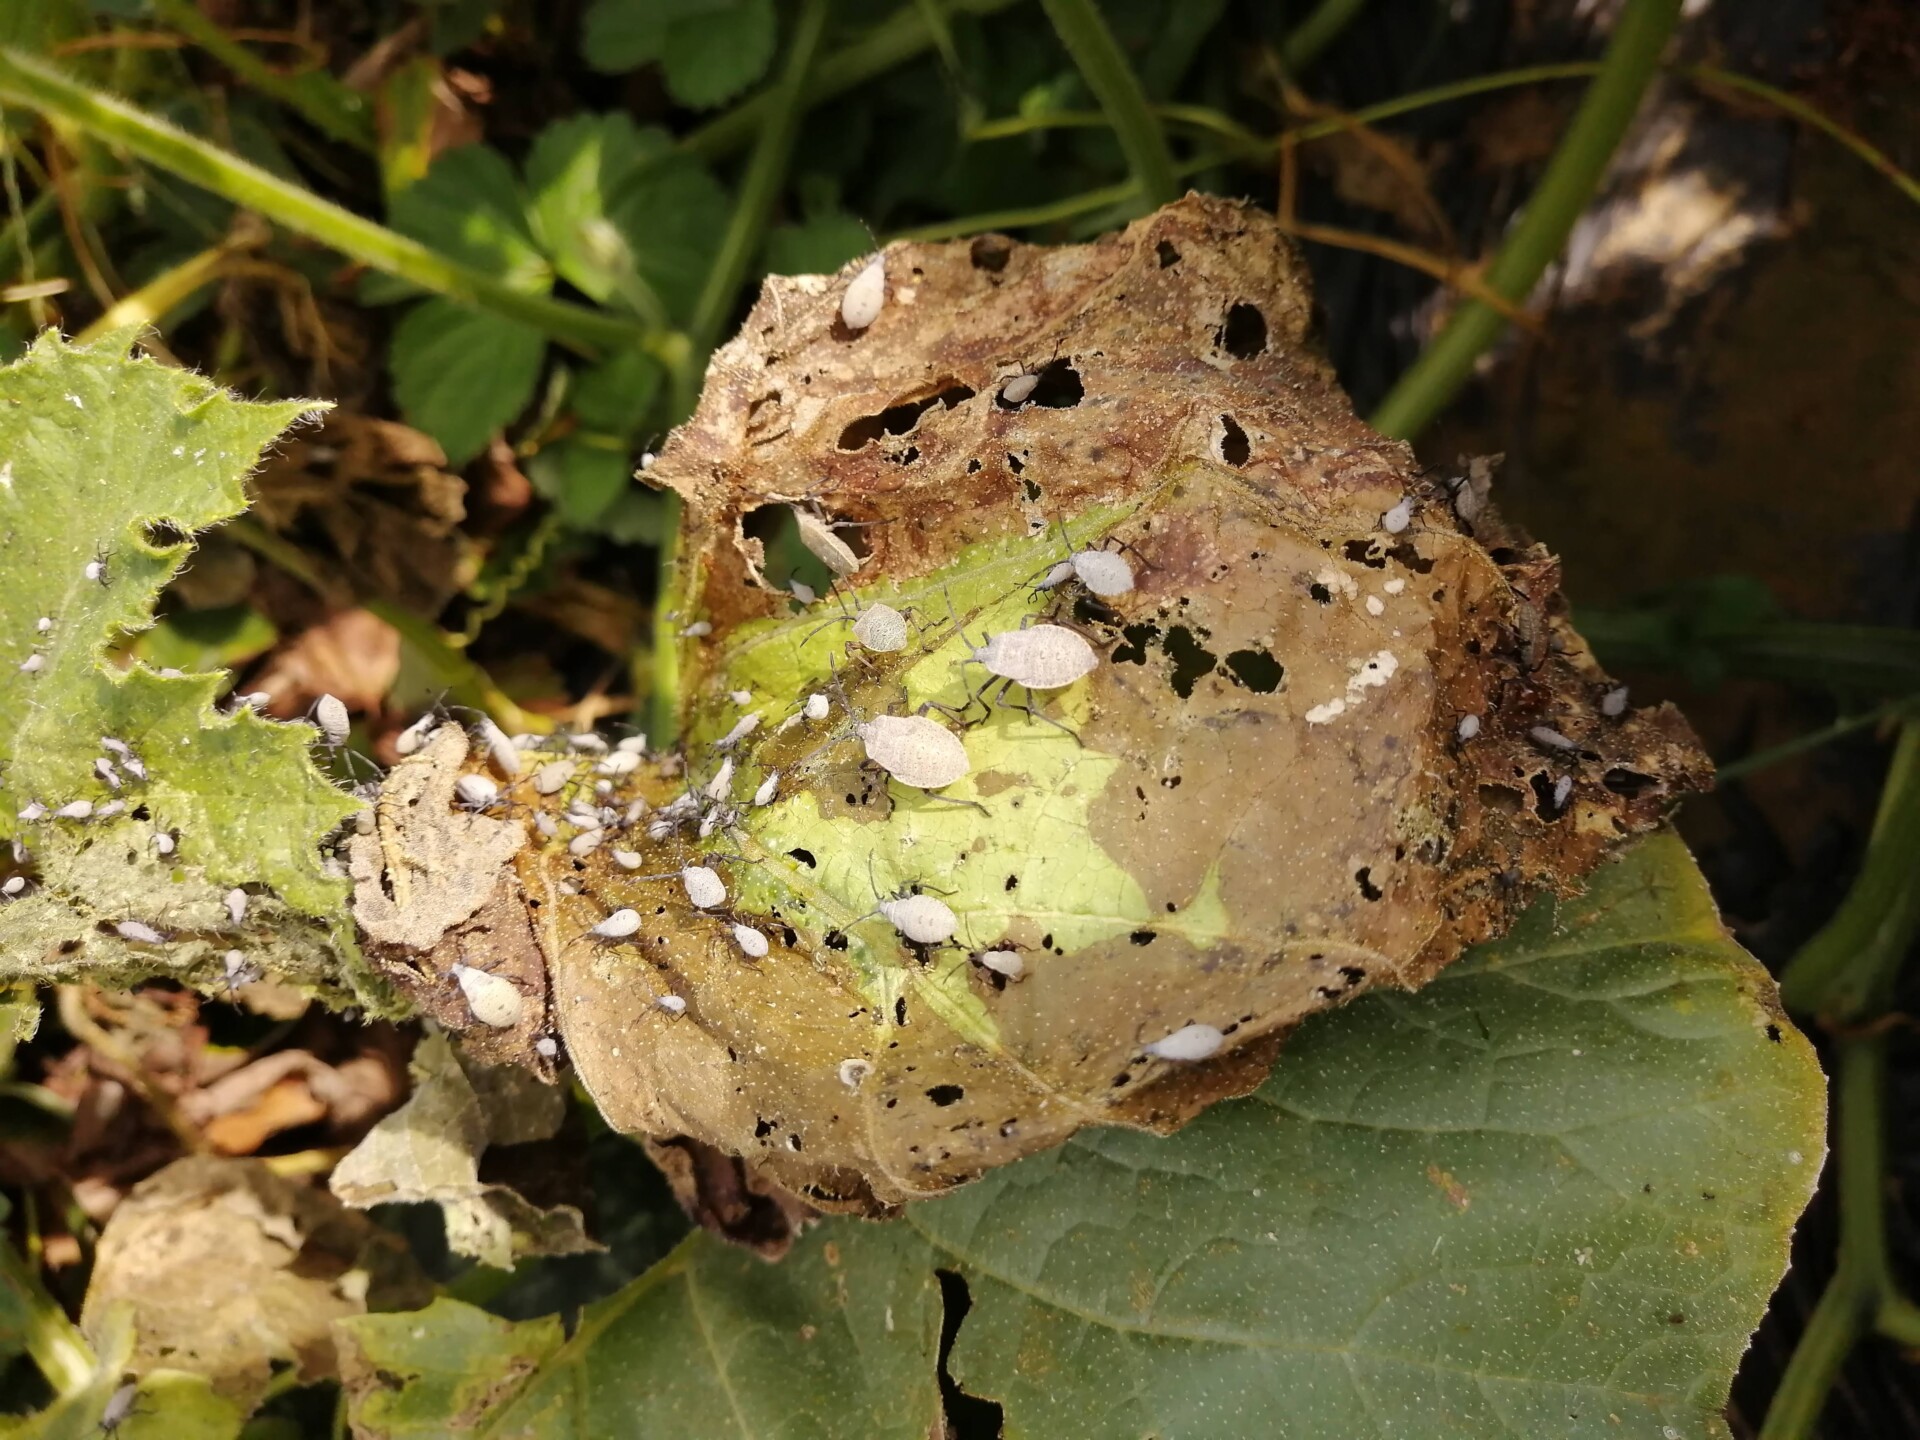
(708, 50)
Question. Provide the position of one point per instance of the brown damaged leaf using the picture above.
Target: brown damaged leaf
(433, 889)
(1333, 733)
(231, 1271)
(428, 1151)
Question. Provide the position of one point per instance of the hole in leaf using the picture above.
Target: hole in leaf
(1190, 659)
(1363, 877)
(1059, 387)
(164, 534)
(805, 857)
(1256, 669)
(944, 1095)
(990, 253)
(1168, 255)
(901, 418)
(1245, 333)
(968, 1416)
(1235, 448)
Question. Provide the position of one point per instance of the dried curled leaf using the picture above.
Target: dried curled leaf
(1301, 731)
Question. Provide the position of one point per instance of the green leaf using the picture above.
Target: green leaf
(408, 1374)
(818, 246)
(710, 60)
(670, 212)
(1548, 1194)
(617, 395)
(112, 461)
(833, 1342)
(461, 374)
(470, 205)
(207, 639)
(583, 475)
(708, 50)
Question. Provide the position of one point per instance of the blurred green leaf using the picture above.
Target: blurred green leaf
(708, 50)
(471, 206)
(461, 374)
(582, 475)
(206, 639)
(409, 1374)
(819, 245)
(617, 395)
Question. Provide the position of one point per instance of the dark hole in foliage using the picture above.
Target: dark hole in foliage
(763, 1127)
(1773, 1034)
(1122, 1078)
(1015, 463)
(1171, 782)
(900, 419)
(1364, 552)
(1256, 669)
(1059, 387)
(968, 1416)
(990, 253)
(1139, 637)
(944, 1095)
(835, 940)
(900, 1010)
(1320, 593)
(1032, 490)
(973, 467)
(774, 527)
(1235, 448)
(1046, 941)
(1363, 877)
(1190, 659)
(1419, 564)
(1245, 333)
(1168, 255)
(907, 456)
(1352, 974)
(787, 934)
(1013, 883)
(1543, 784)
(805, 857)
(164, 534)
(1143, 937)
(1092, 610)
(1629, 783)
(793, 1142)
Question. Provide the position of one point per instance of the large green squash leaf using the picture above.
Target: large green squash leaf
(108, 465)
(1547, 1195)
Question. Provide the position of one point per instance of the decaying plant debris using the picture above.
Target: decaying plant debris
(1338, 729)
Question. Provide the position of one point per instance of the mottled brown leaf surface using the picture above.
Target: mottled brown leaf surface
(1259, 803)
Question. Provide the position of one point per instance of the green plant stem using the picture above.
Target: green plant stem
(27, 81)
(54, 1341)
(1845, 974)
(1307, 40)
(1812, 740)
(1862, 1280)
(1580, 159)
(901, 37)
(760, 187)
(1084, 32)
(331, 108)
(166, 291)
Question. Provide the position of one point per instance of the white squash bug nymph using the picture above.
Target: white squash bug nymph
(1040, 657)
(672, 1004)
(119, 1406)
(139, 932)
(476, 791)
(236, 906)
(415, 735)
(550, 777)
(920, 918)
(96, 568)
(704, 888)
(108, 775)
(14, 887)
(43, 624)
(1016, 390)
(617, 926)
(501, 752)
(1613, 704)
(1189, 1042)
(33, 664)
(826, 547)
(914, 750)
(816, 707)
(494, 1002)
(1398, 518)
(587, 743)
(162, 842)
(330, 714)
(74, 810)
(752, 943)
(33, 810)
(236, 971)
(866, 296)
(1468, 727)
(742, 728)
(881, 628)
(1006, 963)
(546, 1047)
(627, 860)
(1104, 572)
(769, 787)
